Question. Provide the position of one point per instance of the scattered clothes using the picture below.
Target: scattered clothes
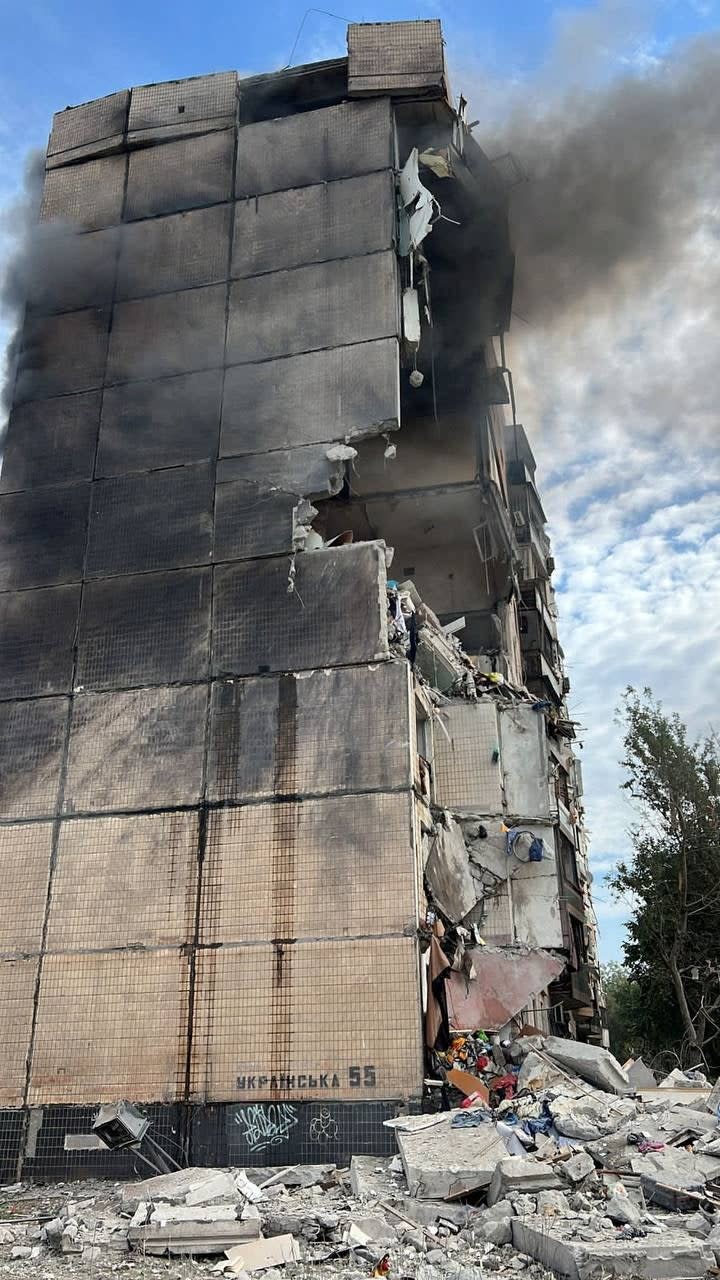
(471, 1119)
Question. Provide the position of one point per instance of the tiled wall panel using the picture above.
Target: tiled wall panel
(62, 354)
(159, 255)
(159, 520)
(42, 536)
(37, 632)
(141, 427)
(51, 441)
(88, 195)
(17, 988)
(172, 333)
(32, 736)
(25, 861)
(180, 175)
(135, 750)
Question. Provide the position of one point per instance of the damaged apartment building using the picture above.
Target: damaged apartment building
(290, 791)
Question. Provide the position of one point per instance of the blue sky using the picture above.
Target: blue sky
(620, 403)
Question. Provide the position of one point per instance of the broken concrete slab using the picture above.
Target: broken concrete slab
(520, 1175)
(220, 1186)
(577, 1168)
(639, 1075)
(537, 1073)
(193, 1213)
(669, 1256)
(174, 1188)
(441, 1162)
(297, 1175)
(371, 1229)
(191, 1237)
(260, 1254)
(591, 1116)
(621, 1209)
(371, 1178)
(590, 1062)
(447, 871)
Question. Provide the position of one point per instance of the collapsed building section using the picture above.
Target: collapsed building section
(290, 798)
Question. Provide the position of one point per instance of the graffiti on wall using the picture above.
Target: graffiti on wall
(265, 1124)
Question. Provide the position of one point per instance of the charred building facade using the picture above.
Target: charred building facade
(288, 788)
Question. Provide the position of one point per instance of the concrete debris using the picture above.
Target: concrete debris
(441, 1162)
(537, 1073)
(639, 1075)
(519, 1176)
(590, 1115)
(620, 1208)
(185, 1186)
(448, 872)
(556, 1246)
(678, 1079)
(578, 1168)
(590, 1062)
(192, 1237)
(261, 1254)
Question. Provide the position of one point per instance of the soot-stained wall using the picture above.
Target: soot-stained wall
(206, 830)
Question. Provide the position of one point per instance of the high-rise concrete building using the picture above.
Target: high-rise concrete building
(279, 667)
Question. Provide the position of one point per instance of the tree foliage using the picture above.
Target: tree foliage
(673, 880)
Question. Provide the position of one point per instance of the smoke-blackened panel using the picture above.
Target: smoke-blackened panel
(151, 629)
(111, 1025)
(49, 441)
(314, 146)
(37, 631)
(180, 175)
(176, 103)
(334, 614)
(319, 396)
(72, 271)
(136, 750)
(123, 881)
(159, 255)
(142, 427)
(42, 536)
(173, 333)
(93, 126)
(62, 354)
(32, 736)
(328, 305)
(333, 730)
(307, 471)
(314, 224)
(25, 861)
(161, 520)
(88, 195)
(251, 523)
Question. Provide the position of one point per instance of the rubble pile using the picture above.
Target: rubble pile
(573, 1174)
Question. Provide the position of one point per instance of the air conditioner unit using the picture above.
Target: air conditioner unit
(519, 519)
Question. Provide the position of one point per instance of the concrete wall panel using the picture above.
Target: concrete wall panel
(32, 736)
(467, 777)
(17, 991)
(62, 354)
(536, 896)
(249, 523)
(306, 471)
(49, 441)
(328, 305)
(149, 629)
(141, 749)
(159, 255)
(42, 536)
(88, 195)
(180, 175)
(161, 520)
(309, 869)
(111, 1026)
(314, 224)
(141, 427)
(331, 730)
(90, 129)
(398, 57)
(335, 615)
(37, 631)
(159, 109)
(320, 396)
(314, 146)
(25, 861)
(524, 762)
(73, 271)
(315, 1012)
(173, 333)
(124, 881)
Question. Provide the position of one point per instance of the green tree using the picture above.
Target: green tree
(673, 877)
